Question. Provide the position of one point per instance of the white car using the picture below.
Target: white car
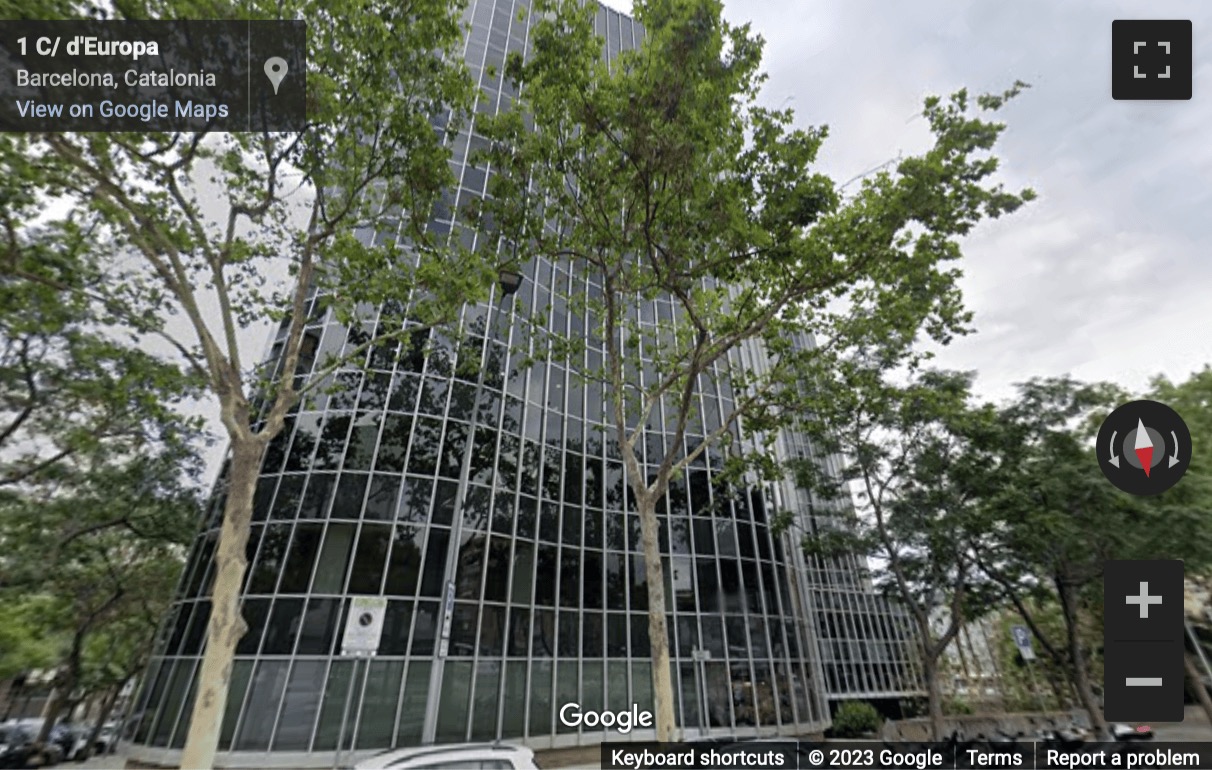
(465, 756)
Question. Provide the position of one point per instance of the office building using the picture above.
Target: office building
(360, 497)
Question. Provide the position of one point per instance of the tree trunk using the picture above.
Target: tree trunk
(226, 625)
(934, 696)
(658, 634)
(1077, 658)
(107, 706)
(1196, 683)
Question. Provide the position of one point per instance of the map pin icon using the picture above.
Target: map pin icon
(275, 70)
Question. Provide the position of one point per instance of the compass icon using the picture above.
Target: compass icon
(1144, 447)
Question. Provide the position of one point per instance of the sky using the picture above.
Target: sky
(1107, 275)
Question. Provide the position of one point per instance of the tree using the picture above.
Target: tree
(103, 552)
(658, 177)
(1056, 519)
(921, 459)
(368, 159)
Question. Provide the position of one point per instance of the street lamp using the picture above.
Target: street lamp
(510, 282)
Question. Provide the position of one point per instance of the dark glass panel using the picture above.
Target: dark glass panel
(616, 581)
(593, 634)
(543, 635)
(531, 465)
(704, 540)
(379, 703)
(412, 710)
(433, 394)
(283, 627)
(275, 451)
(687, 636)
(594, 483)
(470, 569)
(540, 698)
(174, 700)
(300, 704)
(331, 449)
(425, 630)
(725, 536)
(360, 453)
(307, 430)
(476, 508)
(192, 644)
(592, 585)
(617, 639)
(404, 567)
(444, 501)
(263, 496)
(302, 558)
(570, 577)
(342, 686)
(396, 628)
(423, 460)
(264, 696)
(571, 524)
(393, 444)
(366, 577)
(730, 586)
(381, 502)
(269, 561)
(508, 459)
(497, 567)
(615, 537)
(523, 573)
(290, 491)
(435, 562)
(734, 628)
(574, 477)
(255, 612)
(713, 634)
(351, 490)
(319, 492)
(452, 711)
(319, 627)
(570, 634)
(241, 672)
(528, 511)
(638, 582)
(708, 585)
(415, 500)
(639, 636)
(549, 523)
(179, 626)
(548, 563)
(519, 632)
(502, 515)
(334, 558)
(492, 631)
(454, 445)
(403, 396)
(744, 537)
(552, 467)
(753, 589)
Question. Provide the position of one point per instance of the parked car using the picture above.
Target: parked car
(107, 739)
(466, 756)
(1123, 732)
(16, 746)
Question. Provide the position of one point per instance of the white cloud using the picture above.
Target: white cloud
(1106, 275)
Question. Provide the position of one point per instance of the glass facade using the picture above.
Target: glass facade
(447, 471)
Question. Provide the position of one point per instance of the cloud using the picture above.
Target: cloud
(1106, 275)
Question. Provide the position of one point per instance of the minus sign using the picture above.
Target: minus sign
(1143, 681)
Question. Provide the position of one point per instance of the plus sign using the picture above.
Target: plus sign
(1144, 600)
